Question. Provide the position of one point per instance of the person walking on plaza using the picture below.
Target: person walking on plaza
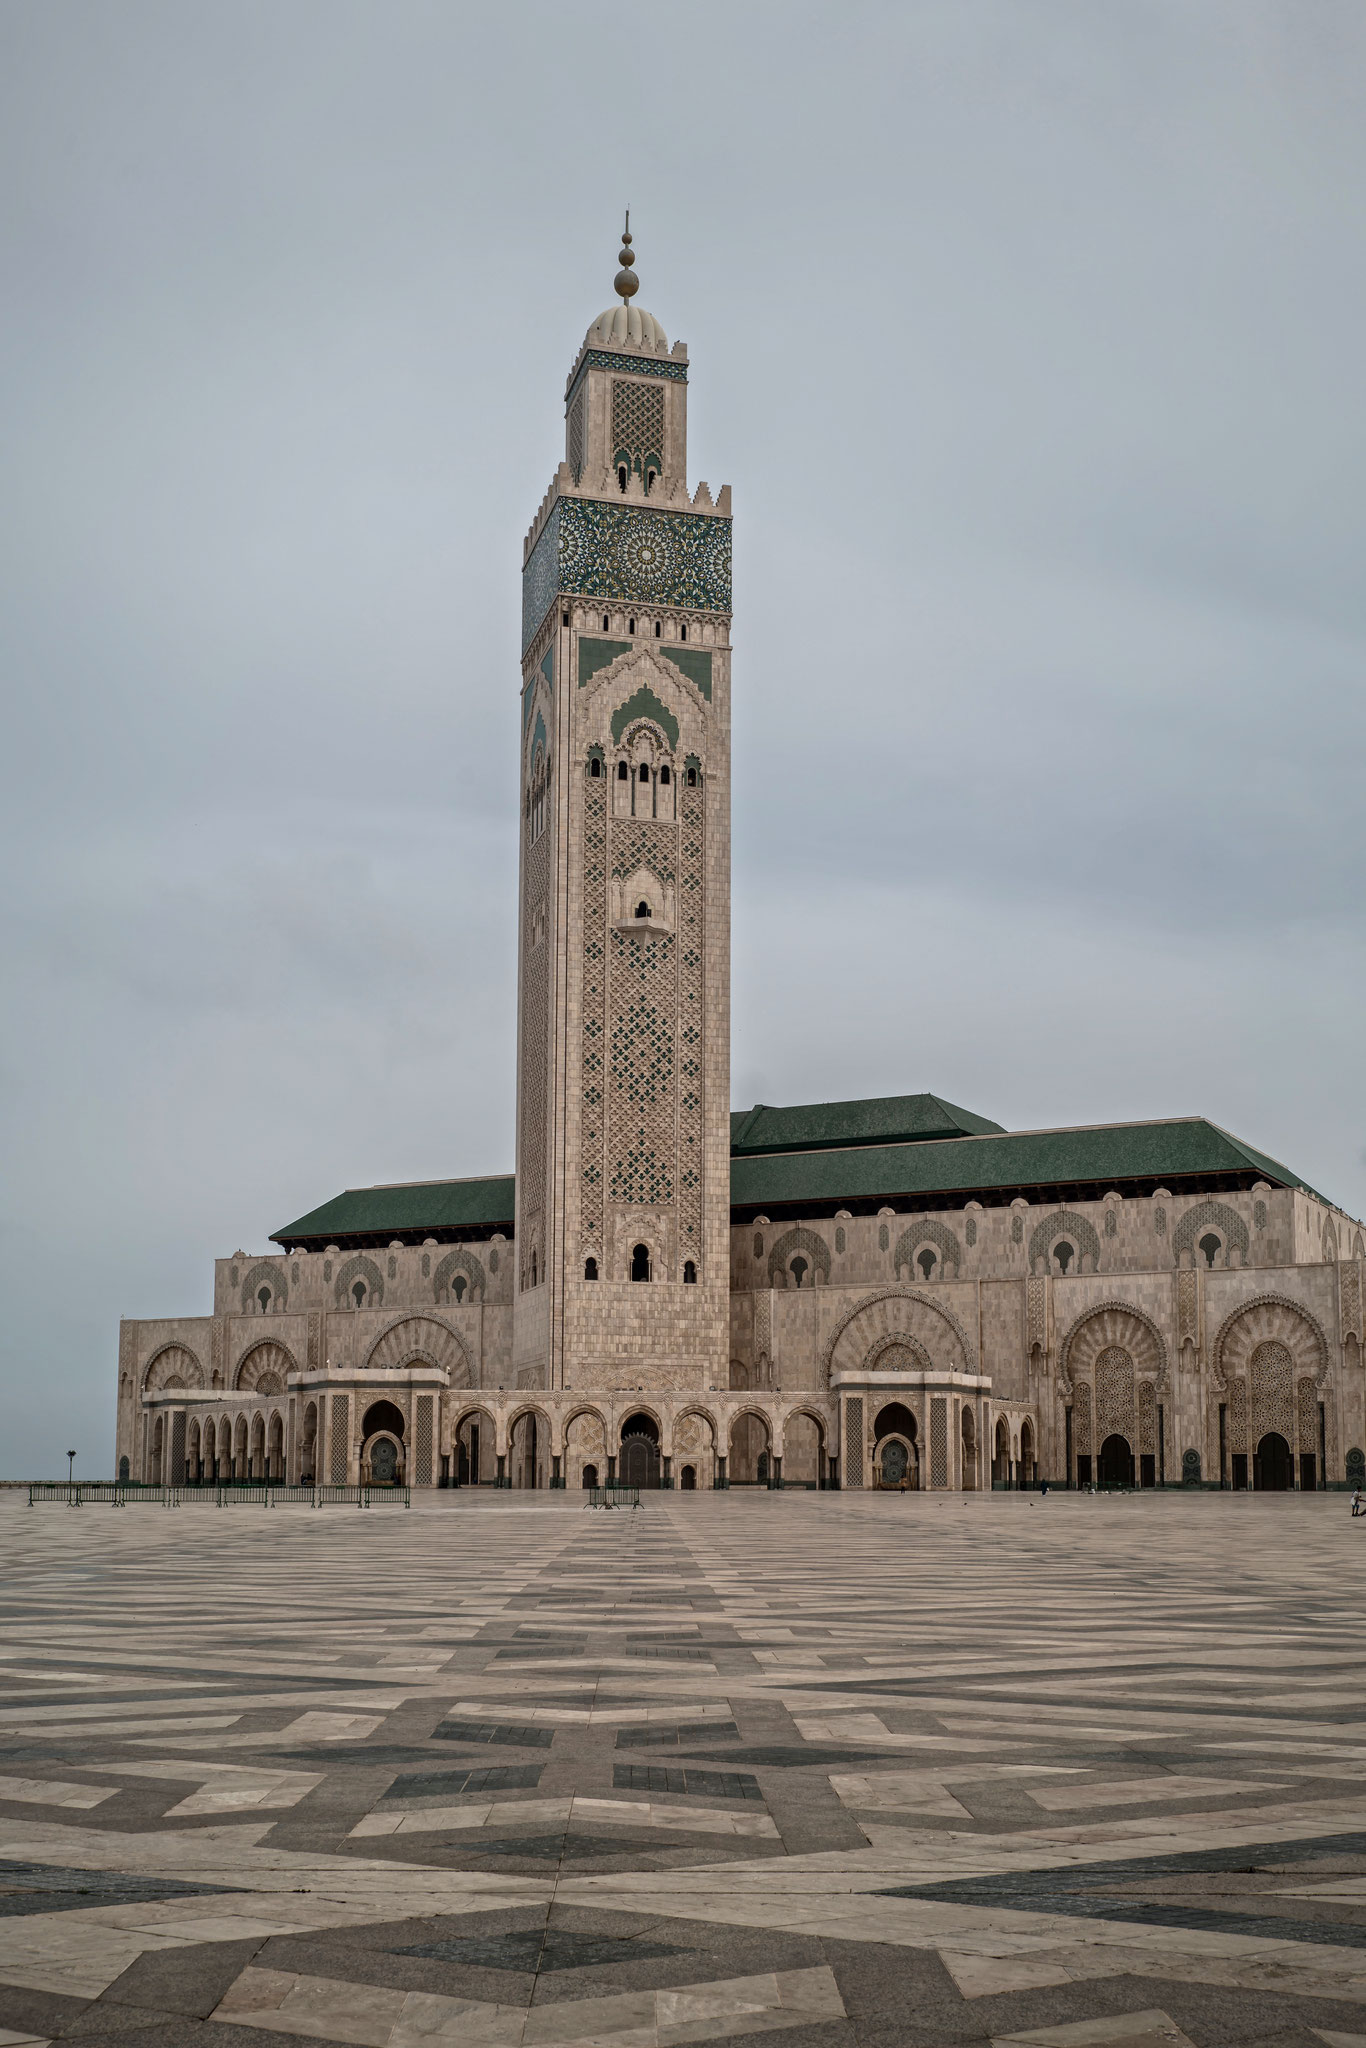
(1356, 1502)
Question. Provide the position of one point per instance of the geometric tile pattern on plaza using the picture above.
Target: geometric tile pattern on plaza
(906, 1769)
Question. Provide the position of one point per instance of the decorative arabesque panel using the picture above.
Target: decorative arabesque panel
(853, 1441)
(1081, 1418)
(637, 425)
(341, 1438)
(535, 1042)
(423, 1458)
(598, 548)
(1237, 1415)
(691, 1012)
(1115, 1394)
(939, 1440)
(641, 1068)
(594, 1006)
(1270, 1374)
(1308, 1402)
(1147, 1417)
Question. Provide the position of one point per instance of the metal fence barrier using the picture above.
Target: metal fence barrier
(614, 1497)
(240, 1493)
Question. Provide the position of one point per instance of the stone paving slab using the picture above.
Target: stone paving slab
(978, 1769)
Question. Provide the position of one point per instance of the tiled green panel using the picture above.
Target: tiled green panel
(598, 548)
(633, 366)
(695, 665)
(645, 704)
(548, 665)
(596, 654)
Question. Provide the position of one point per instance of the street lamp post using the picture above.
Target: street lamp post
(71, 1480)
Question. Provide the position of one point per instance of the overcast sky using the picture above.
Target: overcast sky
(1030, 337)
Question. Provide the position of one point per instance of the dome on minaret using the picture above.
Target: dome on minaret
(626, 326)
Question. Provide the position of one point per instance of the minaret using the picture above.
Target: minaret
(623, 1001)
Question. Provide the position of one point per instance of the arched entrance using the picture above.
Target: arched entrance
(1271, 1468)
(896, 1456)
(969, 1466)
(382, 1446)
(748, 1463)
(687, 1479)
(1116, 1466)
(1000, 1462)
(639, 1461)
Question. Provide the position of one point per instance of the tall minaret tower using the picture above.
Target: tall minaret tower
(623, 992)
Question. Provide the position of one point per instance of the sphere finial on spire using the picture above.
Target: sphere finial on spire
(627, 284)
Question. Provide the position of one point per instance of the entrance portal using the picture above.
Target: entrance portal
(383, 1461)
(895, 1462)
(1116, 1462)
(1271, 1468)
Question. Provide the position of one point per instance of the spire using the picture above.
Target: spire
(627, 284)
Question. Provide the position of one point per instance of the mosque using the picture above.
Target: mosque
(864, 1294)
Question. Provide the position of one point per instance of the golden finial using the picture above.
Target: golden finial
(627, 283)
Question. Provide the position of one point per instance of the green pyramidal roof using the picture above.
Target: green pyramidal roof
(1040, 1165)
(407, 1209)
(902, 1150)
(878, 1120)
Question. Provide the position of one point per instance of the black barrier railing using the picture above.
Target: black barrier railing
(231, 1493)
(613, 1497)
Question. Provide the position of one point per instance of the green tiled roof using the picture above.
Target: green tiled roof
(1096, 1157)
(879, 1120)
(408, 1209)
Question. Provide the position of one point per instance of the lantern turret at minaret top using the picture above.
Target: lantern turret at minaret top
(623, 1152)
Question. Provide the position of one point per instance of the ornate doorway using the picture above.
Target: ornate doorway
(896, 1462)
(1271, 1468)
(1116, 1466)
(383, 1461)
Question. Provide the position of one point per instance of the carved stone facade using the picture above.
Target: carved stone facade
(791, 1302)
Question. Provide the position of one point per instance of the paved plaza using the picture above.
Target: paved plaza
(851, 1769)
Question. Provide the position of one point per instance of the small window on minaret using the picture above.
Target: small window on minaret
(623, 772)
(682, 632)
(640, 1262)
(630, 625)
(642, 909)
(644, 771)
(656, 629)
(564, 618)
(689, 1273)
(664, 775)
(606, 622)
(595, 767)
(621, 477)
(590, 1269)
(692, 778)
(649, 479)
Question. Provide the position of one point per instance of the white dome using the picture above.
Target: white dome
(625, 324)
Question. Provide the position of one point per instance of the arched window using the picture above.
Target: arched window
(640, 1262)
(606, 623)
(590, 1269)
(925, 1261)
(595, 767)
(621, 476)
(533, 1269)
(682, 632)
(644, 771)
(664, 776)
(630, 625)
(799, 1270)
(692, 778)
(689, 1273)
(1211, 1247)
(458, 1286)
(623, 772)
(642, 908)
(1064, 1253)
(358, 1293)
(264, 1298)
(656, 629)
(650, 475)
